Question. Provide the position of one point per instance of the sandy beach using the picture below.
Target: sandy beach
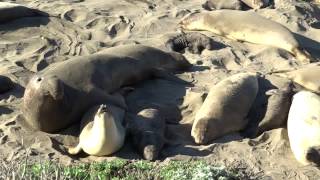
(82, 27)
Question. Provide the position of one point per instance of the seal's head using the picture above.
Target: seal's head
(200, 130)
(149, 144)
(193, 21)
(43, 103)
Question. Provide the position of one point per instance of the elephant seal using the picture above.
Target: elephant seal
(195, 42)
(102, 132)
(256, 4)
(253, 28)
(225, 108)
(277, 109)
(60, 94)
(11, 11)
(147, 130)
(304, 127)
(222, 4)
(5, 84)
(307, 77)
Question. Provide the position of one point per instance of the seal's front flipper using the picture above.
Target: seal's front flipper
(170, 77)
(74, 150)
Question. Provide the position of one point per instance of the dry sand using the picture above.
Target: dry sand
(79, 27)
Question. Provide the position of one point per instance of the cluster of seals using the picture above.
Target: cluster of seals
(5, 84)
(253, 28)
(102, 132)
(225, 108)
(304, 127)
(60, 94)
(12, 11)
(147, 131)
(195, 42)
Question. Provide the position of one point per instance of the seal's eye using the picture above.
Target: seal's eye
(39, 79)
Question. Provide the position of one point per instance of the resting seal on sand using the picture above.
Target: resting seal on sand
(60, 94)
(225, 108)
(304, 127)
(256, 4)
(246, 26)
(307, 77)
(277, 110)
(222, 4)
(195, 42)
(147, 131)
(11, 11)
(102, 132)
(5, 84)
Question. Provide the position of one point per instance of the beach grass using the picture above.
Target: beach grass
(118, 169)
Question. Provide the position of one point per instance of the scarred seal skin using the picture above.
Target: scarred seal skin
(60, 94)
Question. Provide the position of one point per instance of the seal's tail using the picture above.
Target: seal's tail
(313, 155)
(302, 55)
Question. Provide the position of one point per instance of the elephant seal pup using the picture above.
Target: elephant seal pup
(195, 42)
(147, 130)
(256, 4)
(222, 4)
(11, 11)
(304, 127)
(5, 84)
(277, 109)
(102, 132)
(225, 108)
(60, 94)
(253, 28)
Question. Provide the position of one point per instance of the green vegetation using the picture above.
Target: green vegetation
(122, 169)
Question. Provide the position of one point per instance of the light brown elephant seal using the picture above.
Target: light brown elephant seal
(11, 11)
(147, 131)
(246, 26)
(256, 4)
(304, 127)
(225, 108)
(222, 4)
(102, 132)
(61, 93)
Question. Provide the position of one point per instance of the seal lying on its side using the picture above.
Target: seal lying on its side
(225, 108)
(246, 26)
(102, 132)
(60, 94)
(304, 127)
(278, 106)
(147, 131)
(11, 11)
(222, 4)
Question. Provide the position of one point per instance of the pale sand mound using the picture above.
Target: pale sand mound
(83, 27)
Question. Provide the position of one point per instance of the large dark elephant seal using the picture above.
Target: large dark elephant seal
(304, 127)
(102, 132)
(225, 108)
(60, 94)
(246, 26)
(147, 130)
(11, 11)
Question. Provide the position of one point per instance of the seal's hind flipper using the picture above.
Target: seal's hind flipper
(170, 77)
(75, 150)
(302, 55)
